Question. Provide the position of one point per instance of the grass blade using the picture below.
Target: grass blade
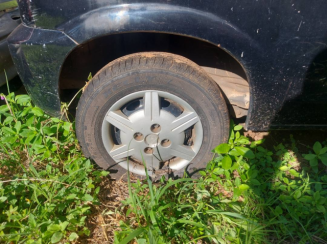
(160, 193)
(132, 235)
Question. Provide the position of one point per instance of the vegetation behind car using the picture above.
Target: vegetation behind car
(7, 4)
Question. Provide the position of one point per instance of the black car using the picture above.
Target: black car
(9, 20)
(168, 75)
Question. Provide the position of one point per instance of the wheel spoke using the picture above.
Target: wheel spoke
(184, 121)
(119, 120)
(151, 105)
(184, 152)
(152, 162)
(151, 136)
(121, 151)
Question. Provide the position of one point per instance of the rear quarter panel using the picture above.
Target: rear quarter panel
(8, 22)
(275, 41)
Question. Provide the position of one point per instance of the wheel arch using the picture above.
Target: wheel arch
(95, 53)
(161, 20)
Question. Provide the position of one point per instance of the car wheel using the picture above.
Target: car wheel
(154, 109)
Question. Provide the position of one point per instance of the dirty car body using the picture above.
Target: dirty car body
(279, 44)
(9, 20)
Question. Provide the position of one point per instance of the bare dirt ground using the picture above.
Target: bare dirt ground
(105, 218)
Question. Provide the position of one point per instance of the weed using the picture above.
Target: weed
(247, 194)
(46, 186)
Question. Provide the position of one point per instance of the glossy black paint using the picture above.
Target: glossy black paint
(276, 42)
(38, 62)
(9, 20)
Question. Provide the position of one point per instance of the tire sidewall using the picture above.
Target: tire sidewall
(112, 89)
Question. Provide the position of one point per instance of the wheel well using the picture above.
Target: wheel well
(91, 56)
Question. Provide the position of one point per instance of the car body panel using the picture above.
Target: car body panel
(38, 63)
(9, 20)
(275, 42)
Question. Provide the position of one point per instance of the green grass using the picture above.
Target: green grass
(8, 5)
(247, 194)
(47, 187)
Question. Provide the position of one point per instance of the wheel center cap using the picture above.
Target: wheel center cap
(152, 140)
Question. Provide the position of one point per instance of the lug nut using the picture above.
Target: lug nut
(138, 136)
(148, 150)
(155, 128)
(165, 143)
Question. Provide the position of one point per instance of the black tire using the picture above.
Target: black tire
(151, 71)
